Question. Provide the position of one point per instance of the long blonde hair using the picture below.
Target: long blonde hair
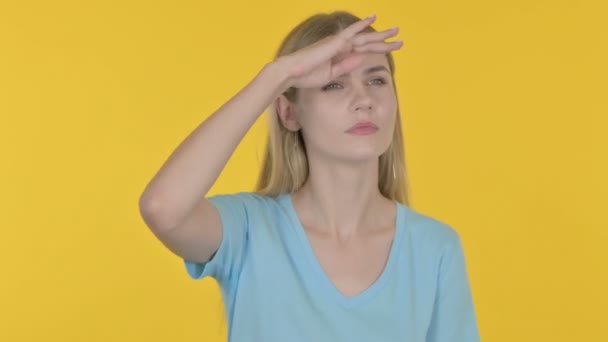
(285, 164)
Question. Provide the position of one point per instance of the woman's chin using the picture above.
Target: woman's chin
(364, 153)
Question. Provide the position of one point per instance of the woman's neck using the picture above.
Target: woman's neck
(343, 206)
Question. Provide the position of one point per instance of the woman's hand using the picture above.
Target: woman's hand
(319, 63)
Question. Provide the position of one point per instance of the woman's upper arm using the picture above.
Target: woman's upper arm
(212, 238)
(198, 236)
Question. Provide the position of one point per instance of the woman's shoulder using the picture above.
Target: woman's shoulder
(429, 229)
(247, 195)
(249, 200)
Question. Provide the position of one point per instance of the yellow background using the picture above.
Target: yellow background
(504, 110)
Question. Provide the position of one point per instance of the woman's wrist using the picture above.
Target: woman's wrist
(279, 71)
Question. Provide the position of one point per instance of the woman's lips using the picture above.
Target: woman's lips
(363, 128)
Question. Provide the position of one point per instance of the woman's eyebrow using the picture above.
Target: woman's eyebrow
(367, 71)
(375, 69)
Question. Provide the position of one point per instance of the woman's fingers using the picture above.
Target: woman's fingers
(336, 51)
(368, 37)
(346, 65)
(357, 41)
(357, 27)
(379, 47)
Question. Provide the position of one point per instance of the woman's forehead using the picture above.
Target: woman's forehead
(371, 62)
(376, 58)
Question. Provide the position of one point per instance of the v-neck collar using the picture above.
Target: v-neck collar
(326, 284)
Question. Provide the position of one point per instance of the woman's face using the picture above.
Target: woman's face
(327, 113)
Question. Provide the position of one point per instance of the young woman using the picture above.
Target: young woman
(326, 248)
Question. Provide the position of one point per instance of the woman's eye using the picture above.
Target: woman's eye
(331, 86)
(375, 81)
(378, 81)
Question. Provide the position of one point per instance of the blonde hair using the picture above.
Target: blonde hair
(285, 164)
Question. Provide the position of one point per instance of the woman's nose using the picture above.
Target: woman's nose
(363, 107)
(361, 99)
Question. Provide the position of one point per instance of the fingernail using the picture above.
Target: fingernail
(373, 16)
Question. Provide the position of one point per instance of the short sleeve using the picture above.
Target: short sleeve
(226, 262)
(453, 318)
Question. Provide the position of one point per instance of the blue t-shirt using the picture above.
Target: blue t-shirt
(275, 290)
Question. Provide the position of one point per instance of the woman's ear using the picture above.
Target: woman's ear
(287, 113)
